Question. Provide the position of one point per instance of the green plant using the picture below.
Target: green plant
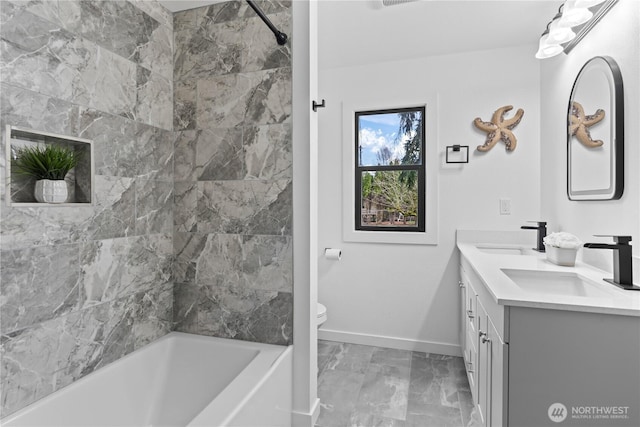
(45, 162)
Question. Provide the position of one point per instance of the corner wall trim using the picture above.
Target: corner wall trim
(298, 419)
(391, 342)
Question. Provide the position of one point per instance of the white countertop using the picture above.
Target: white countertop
(488, 266)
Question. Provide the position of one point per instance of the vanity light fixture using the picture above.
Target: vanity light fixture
(575, 18)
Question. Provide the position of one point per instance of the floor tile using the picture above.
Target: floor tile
(338, 392)
(384, 395)
(435, 415)
(370, 420)
(365, 386)
(351, 357)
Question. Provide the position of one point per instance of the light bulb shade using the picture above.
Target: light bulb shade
(546, 49)
(573, 16)
(588, 3)
(559, 34)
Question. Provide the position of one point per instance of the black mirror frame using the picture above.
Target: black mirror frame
(618, 126)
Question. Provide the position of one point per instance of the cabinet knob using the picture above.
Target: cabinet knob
(461, 283)
(470, 314)
(483, 337)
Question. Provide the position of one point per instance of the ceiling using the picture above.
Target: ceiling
(360, 32)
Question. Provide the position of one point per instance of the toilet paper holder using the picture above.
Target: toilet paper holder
(333, 254)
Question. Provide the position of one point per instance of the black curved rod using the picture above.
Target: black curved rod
(281, 37)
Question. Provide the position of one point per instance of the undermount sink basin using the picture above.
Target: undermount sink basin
(504, 249)
(555, 283)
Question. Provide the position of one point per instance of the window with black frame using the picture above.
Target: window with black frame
(390, 170)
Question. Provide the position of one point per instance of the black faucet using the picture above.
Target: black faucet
(622, 270)
(542, 233)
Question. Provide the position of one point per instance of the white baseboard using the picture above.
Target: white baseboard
(390, 342)
(299, 419)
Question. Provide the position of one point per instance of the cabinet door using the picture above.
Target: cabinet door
(498, 372)
(463, 313)
(483, 376)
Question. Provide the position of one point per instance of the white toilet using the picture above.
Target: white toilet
(322, 314)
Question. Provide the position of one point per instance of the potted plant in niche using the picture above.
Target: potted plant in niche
(48, 165)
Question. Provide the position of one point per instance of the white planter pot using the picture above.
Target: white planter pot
(50, 191)
(561, 256)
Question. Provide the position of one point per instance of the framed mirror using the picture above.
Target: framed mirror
(595, 132)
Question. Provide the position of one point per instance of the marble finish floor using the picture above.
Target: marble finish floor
(368, 386)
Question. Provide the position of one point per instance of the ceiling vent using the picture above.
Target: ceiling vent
(395, 2)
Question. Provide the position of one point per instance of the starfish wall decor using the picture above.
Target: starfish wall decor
(500, 128)
(579, 124)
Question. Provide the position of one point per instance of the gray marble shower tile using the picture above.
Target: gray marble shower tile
(185, 168)
(260, 50)
(187, 249)
(29, 359)
(114, 142)
(383, 395)
(246, 314)
(26, 227)
(268, 263)
(208, 51)
(33, 286)
(37, 55)
(220, 262)
(123, 29)
(20, 107)
(267, 152)
(184, 105)
(155, 10)
(185, 307)
(237, 9)
(154, 100)
(219, 155)
(184, 206)
(156, 54)
(114, 212)
(261, 97)
(125, 148)
(154, 152)
(115, 268)
(154, 205)
(46, 9)
(209, 155)
(338, 393)
(113, 215)
(350, 357)
(153, 316)
(244, 207)
(273, 216)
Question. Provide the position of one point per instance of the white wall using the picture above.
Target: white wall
(618, 36)
(408, 293)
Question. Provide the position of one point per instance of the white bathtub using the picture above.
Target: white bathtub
(178, 380)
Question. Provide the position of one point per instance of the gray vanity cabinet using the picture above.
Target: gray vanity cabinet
(484, 351)
(527, 365)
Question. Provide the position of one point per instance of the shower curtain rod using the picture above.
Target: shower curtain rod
(280, 36)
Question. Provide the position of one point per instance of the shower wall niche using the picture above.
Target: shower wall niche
(80, 180)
